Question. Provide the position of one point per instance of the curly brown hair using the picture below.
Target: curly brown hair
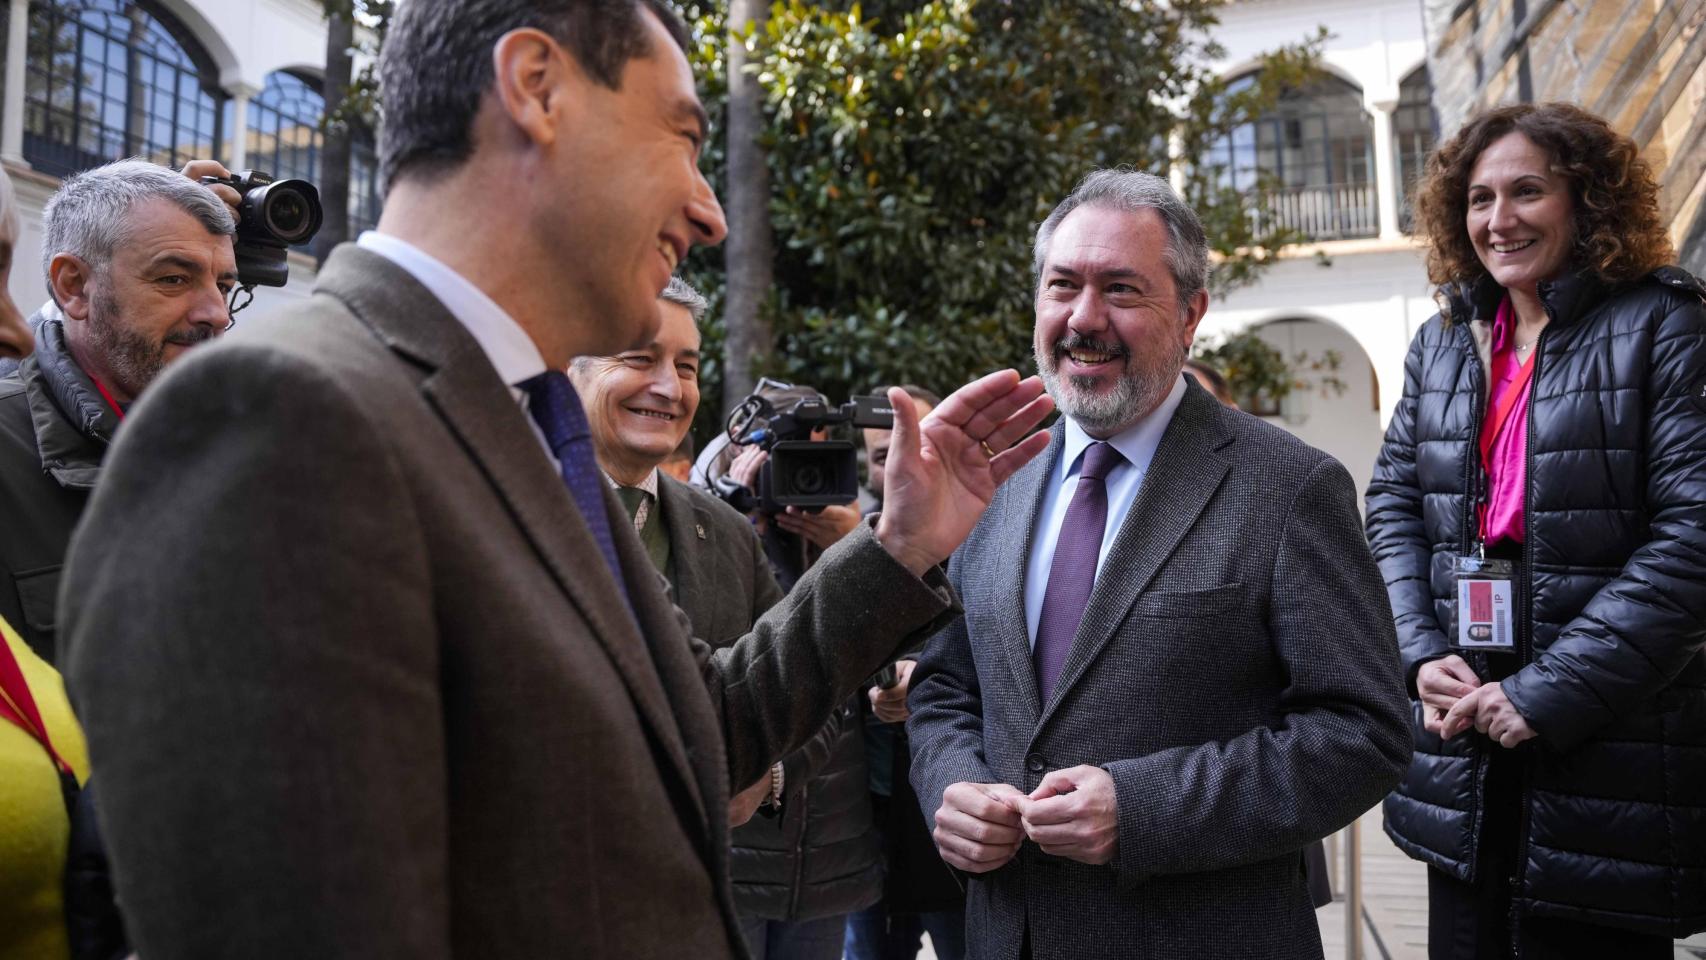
(1619, 232)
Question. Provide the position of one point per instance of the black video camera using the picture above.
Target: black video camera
(802, 472)
(274, 215)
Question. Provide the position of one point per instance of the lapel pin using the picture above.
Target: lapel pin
(699, 528)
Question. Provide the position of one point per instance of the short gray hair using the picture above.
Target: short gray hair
(1131, 191)
(89, 216)
(682, 294)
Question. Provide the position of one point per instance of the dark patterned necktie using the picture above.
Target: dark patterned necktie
(557, 409)
(1072, 574)
(652, 533)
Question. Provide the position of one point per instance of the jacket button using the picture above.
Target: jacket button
(1035, 763)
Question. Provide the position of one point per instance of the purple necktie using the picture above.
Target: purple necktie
(557, 409)
(1073, 572)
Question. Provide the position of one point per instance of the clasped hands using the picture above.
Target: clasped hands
(1071, 814)
(1454, 699)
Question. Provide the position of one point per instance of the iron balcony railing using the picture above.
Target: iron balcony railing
(1335, 211)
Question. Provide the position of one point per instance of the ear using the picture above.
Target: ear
(71, 278)
(1193, 316)
(537, 83)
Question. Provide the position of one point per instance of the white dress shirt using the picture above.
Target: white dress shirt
(511, 351)
(1137, 444)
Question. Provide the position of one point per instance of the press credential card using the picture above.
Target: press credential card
(1484, 614)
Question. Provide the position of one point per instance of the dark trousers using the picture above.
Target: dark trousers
(877, 934)
(1472, 921)
(818, 939)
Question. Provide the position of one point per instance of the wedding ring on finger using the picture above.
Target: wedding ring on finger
(986, 449)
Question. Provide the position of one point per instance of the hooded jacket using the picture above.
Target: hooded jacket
(1612, 674)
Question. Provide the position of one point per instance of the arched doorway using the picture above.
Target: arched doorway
(1345, 423)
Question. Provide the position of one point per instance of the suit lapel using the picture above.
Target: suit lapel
(1013, 552)
(1182, 478)
(671, 655)
(480, 410)
(687, 522)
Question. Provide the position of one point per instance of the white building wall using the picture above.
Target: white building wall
(1372, 298)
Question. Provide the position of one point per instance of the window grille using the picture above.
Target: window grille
(108, 79)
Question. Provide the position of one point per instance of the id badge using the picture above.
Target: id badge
(1483, 611)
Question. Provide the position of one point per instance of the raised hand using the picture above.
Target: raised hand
(196, 169)
(942, 472)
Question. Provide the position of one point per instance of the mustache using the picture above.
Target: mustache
(190, 336)
(1074, 341)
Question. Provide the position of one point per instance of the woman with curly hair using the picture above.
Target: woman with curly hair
(1537, 510)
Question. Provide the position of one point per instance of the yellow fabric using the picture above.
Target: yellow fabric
(33, 827)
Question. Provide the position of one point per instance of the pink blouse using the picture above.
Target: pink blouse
(1504, 433)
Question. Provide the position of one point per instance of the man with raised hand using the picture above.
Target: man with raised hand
(371, 663)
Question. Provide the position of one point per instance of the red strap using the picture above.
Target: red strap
(18, 706)
(118, 411)
(1501, 411)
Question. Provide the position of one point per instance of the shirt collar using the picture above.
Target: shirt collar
(648, 484)
(511, 351)
(1137, 443)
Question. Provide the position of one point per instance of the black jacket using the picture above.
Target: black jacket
(1613, 677)
(820, 857)
(54, 431)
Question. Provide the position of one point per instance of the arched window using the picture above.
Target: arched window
(1415, 130)
(1315, 151)
(107, 79)
(284, 127)
(285, 140)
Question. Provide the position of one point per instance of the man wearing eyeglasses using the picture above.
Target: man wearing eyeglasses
(139, 261)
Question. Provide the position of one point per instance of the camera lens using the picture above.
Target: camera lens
(809, 480)
(287, 214)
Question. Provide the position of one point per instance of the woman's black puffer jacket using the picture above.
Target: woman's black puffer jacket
(821, 856)
(1613, 677)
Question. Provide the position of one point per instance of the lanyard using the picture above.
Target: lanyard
(1501, 412)
(118, 411)
(1497, 420)
(18, 706)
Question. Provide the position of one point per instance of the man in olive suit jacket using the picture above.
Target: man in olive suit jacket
(368, 661)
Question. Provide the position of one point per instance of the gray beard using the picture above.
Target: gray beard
(134, 360)
(1134, 394)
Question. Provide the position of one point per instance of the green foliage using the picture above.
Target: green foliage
(1260, 375)
(1255, 371)
(913, 147)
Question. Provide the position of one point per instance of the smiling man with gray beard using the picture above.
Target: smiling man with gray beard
(139, 261)
(1196, 676)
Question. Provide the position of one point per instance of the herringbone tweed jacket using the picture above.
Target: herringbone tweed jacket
(1236, 672)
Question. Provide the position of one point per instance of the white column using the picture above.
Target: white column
(12, 104)
(1386, 185)
(241, 94)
